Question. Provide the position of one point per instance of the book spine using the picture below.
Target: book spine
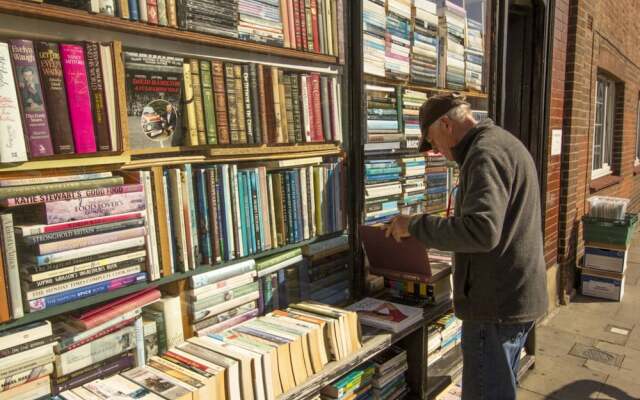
(208, 102)
(72, 244)
(69, 276)
(71, 255)
(42, 229)
(97, 316)
(25, 377)
(204, 225)
(212, 187)
(197, 99)
(295, 9)
(64, 196)
(68, 210)
(100, 370)
(54, 91)
(12, 144)
(153, 261)
(30, 189)
(275, 82)
(298, 210)
(341, 31)
(123, 9)
(134, 14)
(264, 196)
(326, 108)
(214, 276)
(11, 265)
(220, 102)
(170, 228)
(31, 98)
(284, 18)
(255, 103)
(257, 211)
(143, 11)
(284, 115)
(248, 112)
(309, 26)
(303, 24)
(304, 202)
(178, 221)
(189, 100)
(262, 96)
(152, 12)
(98, 100)
(242, 224)
(227, 201)
(107, 64)
(172, 15)
(77, 86)
(97, 335)
(306, 109)
(316, 101)
(232, 103)
(87, 291)
(288, 108)
(239, 92)
(321, 26)
(296, 104)
(162, 13)
(190, 210)
(236, 205)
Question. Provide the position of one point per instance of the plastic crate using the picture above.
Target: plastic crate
(609, 231)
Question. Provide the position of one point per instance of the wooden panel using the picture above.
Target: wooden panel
(83, 18)
(179, 288)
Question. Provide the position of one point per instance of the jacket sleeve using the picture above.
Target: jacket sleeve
(477, 227)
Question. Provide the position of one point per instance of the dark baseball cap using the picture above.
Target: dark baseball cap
(434, 108)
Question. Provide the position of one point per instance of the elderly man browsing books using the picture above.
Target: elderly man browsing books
(499, 274)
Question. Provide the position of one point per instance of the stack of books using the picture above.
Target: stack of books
(386, 315)
(398, 39)
(374, 25)
(389, 381)
(452, 27)
(384, 118)
(27, 361)
(102, 340)
(436, 291)
(357, 384)
(280, 280)
(230, 103)
(326, 276)
(260, 358)
(413, 185)
(443, 337)
(412, 100)
(437, 183)
(474, 49)
(425, 43)
(261, 22)
(69, 237)
(383, 190)
(223, 297)
(59, 98)
(200, 16)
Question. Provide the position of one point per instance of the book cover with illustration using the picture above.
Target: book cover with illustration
(385, 314)
(154, 90)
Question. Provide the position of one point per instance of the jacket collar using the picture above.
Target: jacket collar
(460, 150)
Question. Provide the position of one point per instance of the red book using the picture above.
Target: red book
(100, 315)
(184, 360)
(302, 19)
(75, 78)
(317, 134)
(152, 12)
(291, 23)
(314, 26)
(296, 24)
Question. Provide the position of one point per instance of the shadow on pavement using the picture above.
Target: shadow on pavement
(585, 389)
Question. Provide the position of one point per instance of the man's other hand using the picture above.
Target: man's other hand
(399, 227)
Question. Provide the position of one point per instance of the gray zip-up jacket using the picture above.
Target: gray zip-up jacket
(499, 270)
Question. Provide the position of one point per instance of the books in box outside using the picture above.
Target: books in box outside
(153, 87)
(386, 315)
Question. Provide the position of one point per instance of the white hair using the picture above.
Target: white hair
(459, 113)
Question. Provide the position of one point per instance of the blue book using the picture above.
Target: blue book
(286, 177)
(297, 204)
(192, 211)
(133, 10)
(243, 214)
(257, 211)
(204, 228)
(251, 232)
(86, 291)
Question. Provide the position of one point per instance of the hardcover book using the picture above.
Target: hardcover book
(54, 90)
(31, 98)
(12, 145)
(79, 97)
(153, 85)
(98, 99)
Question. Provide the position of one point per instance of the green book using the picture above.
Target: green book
(162, 13)
(267, 262)
(207, 102)
(158, 317)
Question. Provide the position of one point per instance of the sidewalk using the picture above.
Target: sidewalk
(591, 348)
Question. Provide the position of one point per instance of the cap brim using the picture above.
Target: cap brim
(425, 145)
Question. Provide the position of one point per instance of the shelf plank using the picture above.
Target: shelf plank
(75, 161)
(415, 86)
(83, 18)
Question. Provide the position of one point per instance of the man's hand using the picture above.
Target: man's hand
(399, 227)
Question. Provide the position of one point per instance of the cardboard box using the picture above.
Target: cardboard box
(604, 285)
(605, 259)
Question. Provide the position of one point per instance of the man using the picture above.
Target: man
(499, 278)
(30, 91)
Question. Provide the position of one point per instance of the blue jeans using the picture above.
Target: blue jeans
(490, 353)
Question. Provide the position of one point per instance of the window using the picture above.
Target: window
(637, 161)
(603, 128)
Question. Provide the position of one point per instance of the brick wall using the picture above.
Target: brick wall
(602, 38)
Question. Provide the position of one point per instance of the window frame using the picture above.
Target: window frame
(636, 161)
(607, 126)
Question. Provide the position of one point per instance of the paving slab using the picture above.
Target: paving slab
(524, 394)
(619, 389)
(572, 319)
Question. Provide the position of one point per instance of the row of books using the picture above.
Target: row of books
(414, 190)
(356, 384)
(389, 381)
(226, 103)
(384, 118)
(428, 42)
(309, 25)
(58, 98)
(444, 335)
(383, 190)
(437, 291)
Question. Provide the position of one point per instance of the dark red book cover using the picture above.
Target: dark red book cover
(152, 12)
(48, 54)
(316, 101)
(220, 100)
(31, 98)
(98, 99)
(302, 18)
(314, 27)
(272, 130)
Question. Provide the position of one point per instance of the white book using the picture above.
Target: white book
(208, 291)
(386, 315)
(153, 263)
(33, 390)
(178, 219)
(225, 306)
(170, 307)
(235, 201)
(25, 376)
(85, 394)
(69, 395)
(12, 143)
(304, 203)
(96, 351)
(118, 387)
(106, 62)
(305, 108)
(11, 265)
(21, 361)
(272, 213)
(142, 11)
(87, 251)
(80, 335)
(226, 193)
(191, 215)
(140, 350)
(293, 162)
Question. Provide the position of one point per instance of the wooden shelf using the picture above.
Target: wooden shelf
(83, 18)
(415, 86)
(75, 161)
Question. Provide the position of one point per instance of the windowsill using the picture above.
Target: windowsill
(604, 182)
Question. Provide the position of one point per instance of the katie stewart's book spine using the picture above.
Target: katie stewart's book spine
(75, 79)
(53, 83)
(31, 98)
(99, 102)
